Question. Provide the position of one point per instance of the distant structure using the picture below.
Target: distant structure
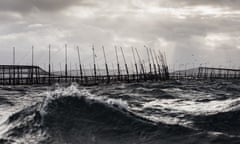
(35, 75)
(22, 74)
(206, 73)
(220, 73)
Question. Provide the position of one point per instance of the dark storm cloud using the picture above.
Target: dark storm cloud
(24, 6)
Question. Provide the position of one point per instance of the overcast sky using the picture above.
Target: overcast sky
(191, 32)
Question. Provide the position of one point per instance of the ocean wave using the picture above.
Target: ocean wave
(225, 122)
(73, 115)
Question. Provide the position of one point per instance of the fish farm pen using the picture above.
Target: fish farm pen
(31, 74)
(221, 73)
(156, 69)
(28, 75)
(206, 73)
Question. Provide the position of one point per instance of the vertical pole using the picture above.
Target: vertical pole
(238, 73)
(199, 72)
(37, 74)
(150, 67)
(49, 64)
(66, 67)
(9, 75)
(160, 64)
(70, 72)
(94, 64)
(84, 73)
(85, 78)
(164, 67)
(126, 67)
(13, 55)
(1, 76)
(32, 55)
(52, 69)
(80, 65)
(141, 63)
(134, 58)
(18, 75)
(165, 58)
(157, 63)
(106, 65)
(118, 66)
(186, 70)
(154, 65)
(4, 81)
(13, 68)
(21, 76)
(32, 74)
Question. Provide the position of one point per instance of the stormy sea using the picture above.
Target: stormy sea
(170, 112)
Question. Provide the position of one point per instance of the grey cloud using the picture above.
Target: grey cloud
(114, 22)
(172, 29)
(232, 4)
(25, 6)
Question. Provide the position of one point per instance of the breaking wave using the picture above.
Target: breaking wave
(73, 116)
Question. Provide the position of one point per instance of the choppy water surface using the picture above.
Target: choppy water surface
(172, 112)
